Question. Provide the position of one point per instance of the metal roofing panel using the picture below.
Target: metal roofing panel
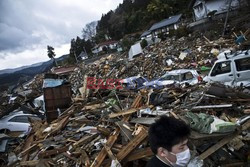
(166, 22)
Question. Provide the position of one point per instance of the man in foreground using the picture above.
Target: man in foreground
(168, 139)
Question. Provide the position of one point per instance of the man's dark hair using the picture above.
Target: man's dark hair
(167, 132)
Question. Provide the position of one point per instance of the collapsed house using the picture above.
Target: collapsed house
(208, 8)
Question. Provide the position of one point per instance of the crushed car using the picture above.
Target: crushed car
(134, 82)
(175, 77)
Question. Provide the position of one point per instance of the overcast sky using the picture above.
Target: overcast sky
(28, 26)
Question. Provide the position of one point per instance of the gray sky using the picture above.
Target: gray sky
(28, 26)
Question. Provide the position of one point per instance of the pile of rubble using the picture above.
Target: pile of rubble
(112, 128)
(108, 127)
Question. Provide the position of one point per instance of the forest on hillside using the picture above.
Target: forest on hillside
(130, 17)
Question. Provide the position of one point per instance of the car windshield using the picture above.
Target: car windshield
(187, 76)
(169, 77)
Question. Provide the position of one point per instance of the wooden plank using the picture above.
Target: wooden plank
(61, 124)
(217, 146)
(139, 154)
(94, 106)
(29, 163)
(85, 158)
(137, 102)
(104, 131)
(70, 157)
(112, 139)
(174, 115)
(55, 151)
(132, 145)
(125, 131)
(110, 142)
(224, 141)
(130, 111)
(144, 121)
(28, 143)
(84, 140)
(110, 154)
(102, 154)
(33, 147)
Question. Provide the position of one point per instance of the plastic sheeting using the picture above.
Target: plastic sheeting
(135, 50)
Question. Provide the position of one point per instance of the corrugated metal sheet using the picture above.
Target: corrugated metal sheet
(135, 50)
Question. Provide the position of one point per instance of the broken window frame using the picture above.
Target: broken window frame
(242, 64)
(216, 71)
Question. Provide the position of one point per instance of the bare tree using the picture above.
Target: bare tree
(89, 31)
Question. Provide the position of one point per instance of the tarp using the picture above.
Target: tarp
(50, 83)
(135, 50)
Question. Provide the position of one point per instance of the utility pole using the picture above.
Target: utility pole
(225, 24)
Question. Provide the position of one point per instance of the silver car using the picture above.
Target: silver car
(17, 122)
(182, 76)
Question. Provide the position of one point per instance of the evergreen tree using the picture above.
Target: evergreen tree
(51, 53)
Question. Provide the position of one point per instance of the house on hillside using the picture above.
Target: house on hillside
(163, 26)
(146, 34)
(203, 9)
(107, 44)
(83, 55)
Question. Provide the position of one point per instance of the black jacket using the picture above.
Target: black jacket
(155, 162)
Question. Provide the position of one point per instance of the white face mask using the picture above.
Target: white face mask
(182, 158)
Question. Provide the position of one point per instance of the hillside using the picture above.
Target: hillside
(14, 76)
(137, 15)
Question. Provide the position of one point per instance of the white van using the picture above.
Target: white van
(233, 70)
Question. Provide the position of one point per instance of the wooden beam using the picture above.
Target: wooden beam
(84, 158)
(224, 141)
(102, 154)
(29, 163)
(84, 140)
(104, 131)
(55, 151)
(139, 154)
(132, 145)
(61, 124)
(33, 147)
(124, 130)
(27, 145)
(217, 146)
(110, 154)
(113, 137)
(94, 106)
(110, 142)
(130, 111)
(137, 102)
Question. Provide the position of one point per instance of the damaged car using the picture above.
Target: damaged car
(133, 83)
(232, 70)
(175, 77)
(16, 122)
